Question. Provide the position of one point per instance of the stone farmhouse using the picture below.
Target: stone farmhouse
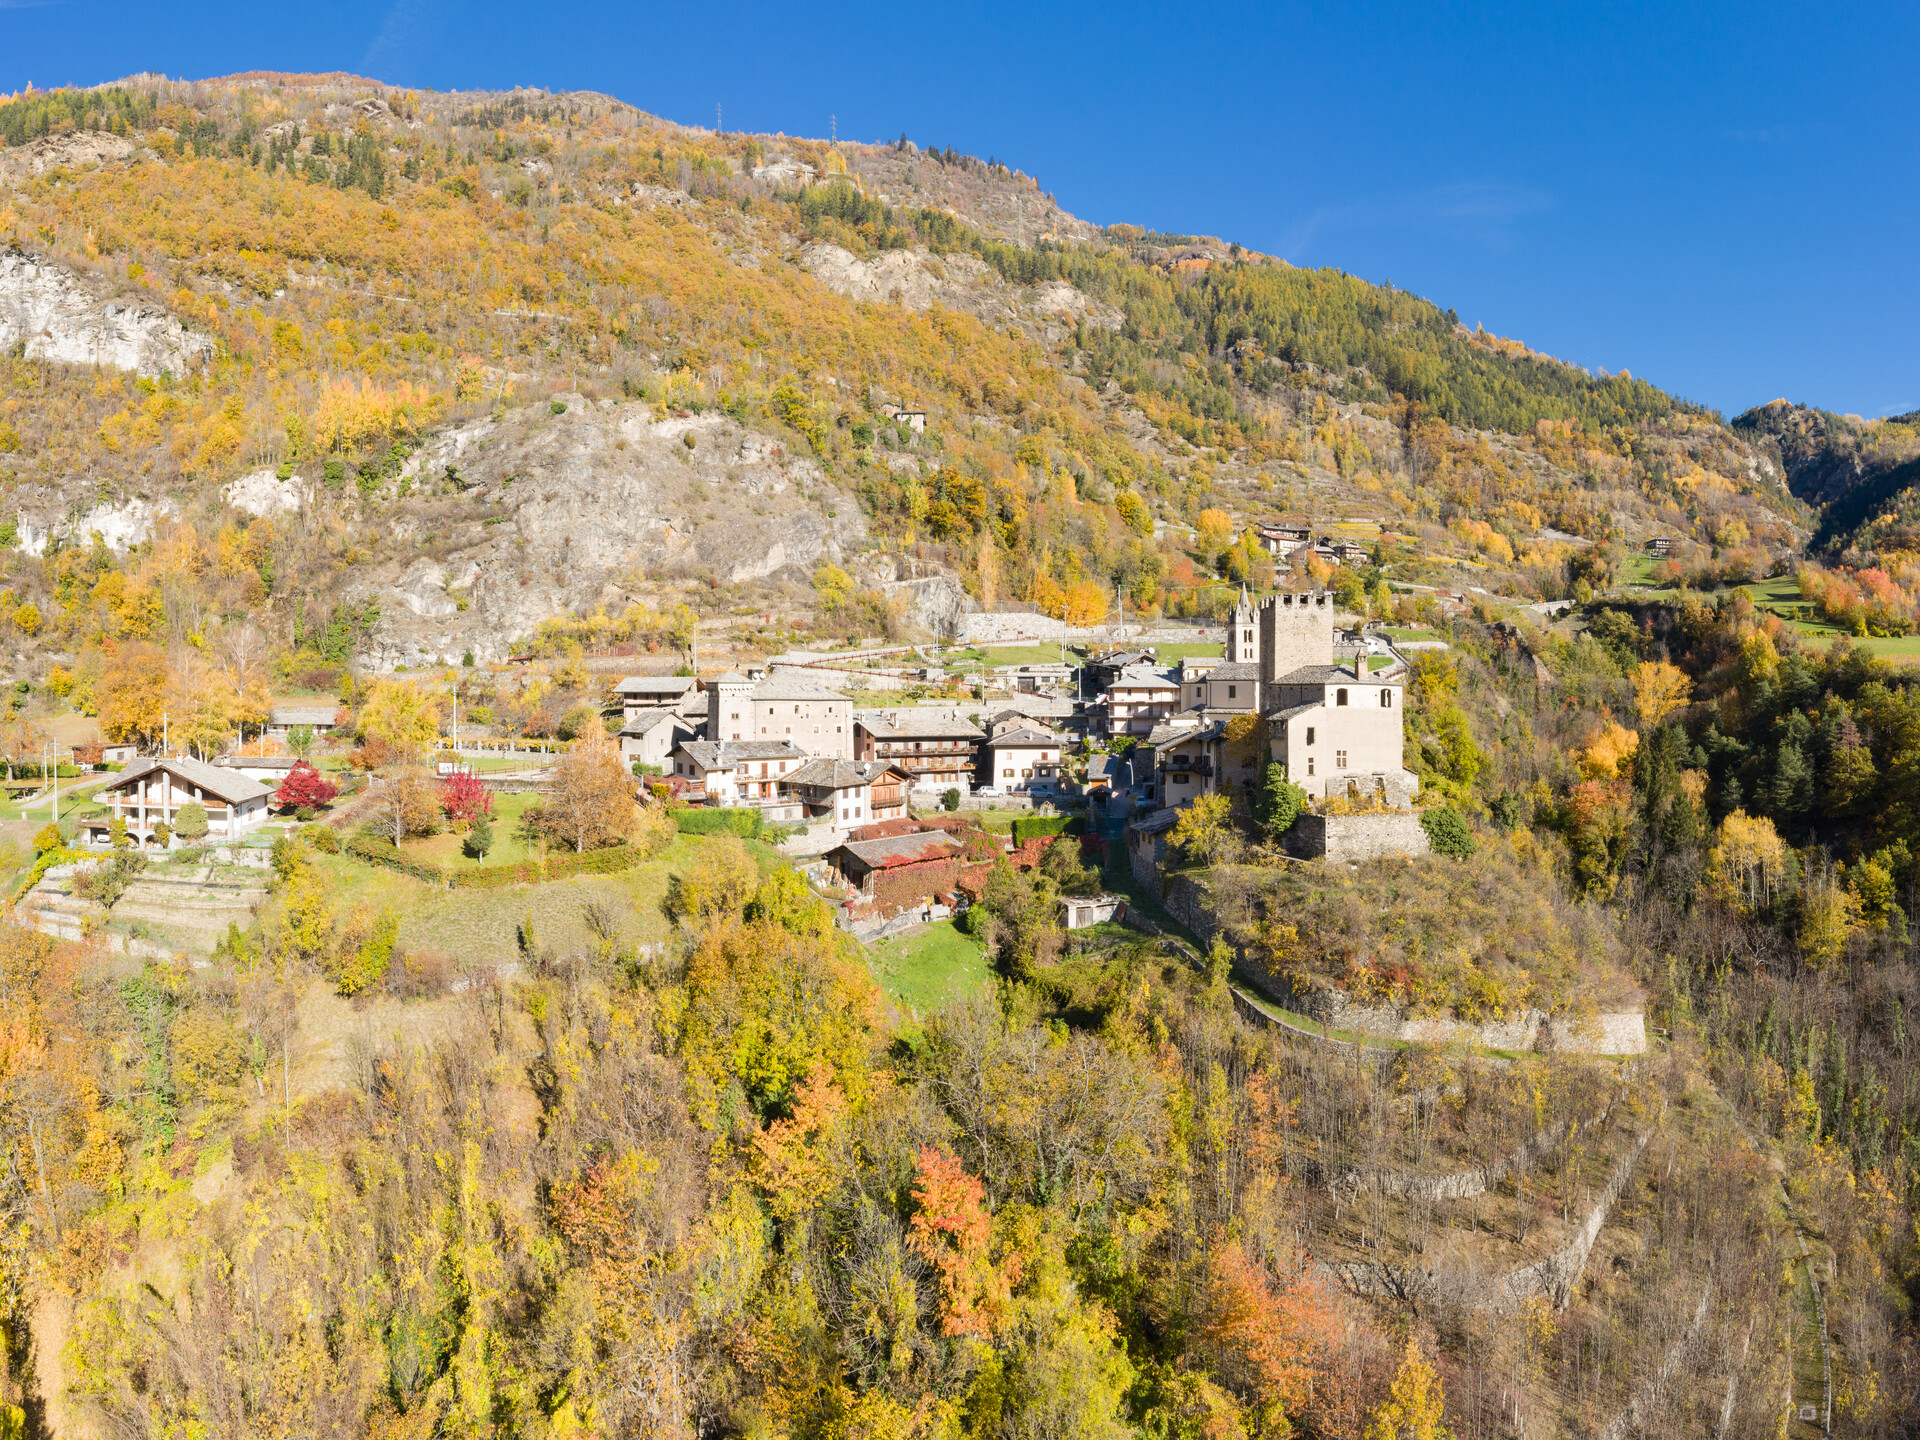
(741, 773)
(649, 736)
(651, 692)
(1019, 760)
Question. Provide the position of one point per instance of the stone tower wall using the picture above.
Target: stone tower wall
(1296, 629)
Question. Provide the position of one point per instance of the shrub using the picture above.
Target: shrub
(742, 820)
(191, 823)
(320, 838)
(47, 839)
(950, 800)
(1447, 832)
(1027, 827)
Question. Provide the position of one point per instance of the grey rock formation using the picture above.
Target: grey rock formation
(917, 279)
(74, 150)
(541, 514)
(63, 317)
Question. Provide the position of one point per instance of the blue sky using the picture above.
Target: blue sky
(1720, 198)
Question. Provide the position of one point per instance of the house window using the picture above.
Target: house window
(1309, 764)
(1008, 773)
(1309, 734)
(1180, 779)
(1339, 759)
(1232, 690)
(1339, 697)
(1386, 699)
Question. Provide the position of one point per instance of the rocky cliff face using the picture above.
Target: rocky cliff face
(60, 316)
(917, 279)
(498, 524)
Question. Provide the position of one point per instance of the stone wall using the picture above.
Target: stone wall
(997, 627)
(1616, 1032)
(1357, 837)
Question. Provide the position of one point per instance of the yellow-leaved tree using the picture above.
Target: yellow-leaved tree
(1659, 689)
(1747, 862)
(402, 715)
(1414, 1408)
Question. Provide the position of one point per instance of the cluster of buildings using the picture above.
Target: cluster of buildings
(1330, 701)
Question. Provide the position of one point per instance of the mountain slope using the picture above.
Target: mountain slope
(350, 276)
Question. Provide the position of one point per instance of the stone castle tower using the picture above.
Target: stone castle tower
(1295, 629)
(729, 713)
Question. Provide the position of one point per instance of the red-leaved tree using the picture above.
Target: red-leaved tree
(304, 787)
(465, 799)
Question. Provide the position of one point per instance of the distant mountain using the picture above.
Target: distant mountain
(1861, 474)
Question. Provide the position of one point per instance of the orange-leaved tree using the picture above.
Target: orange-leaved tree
(952, 1231)
(1271, 1336)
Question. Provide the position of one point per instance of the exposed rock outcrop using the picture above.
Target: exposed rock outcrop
(61, 316)
(120, 526)
(556, 513)
(264, 493)
(918, 279)
(74, 150)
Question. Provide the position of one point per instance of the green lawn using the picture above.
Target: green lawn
(1781, 596)
(509, 848)
(931, 967)
(1168, 653)
(483, 925)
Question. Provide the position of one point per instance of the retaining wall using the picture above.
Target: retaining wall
(1352, 838)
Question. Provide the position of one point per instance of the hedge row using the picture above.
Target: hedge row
(743, 820)
(610, 861)
(1026, 827)
(385, 852)
(492, 877)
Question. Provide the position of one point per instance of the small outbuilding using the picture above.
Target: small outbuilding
(1079, 911)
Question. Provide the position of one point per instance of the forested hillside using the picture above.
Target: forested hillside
(307, 379)
(376, 269)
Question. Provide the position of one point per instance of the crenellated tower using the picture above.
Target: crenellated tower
(1295, 629)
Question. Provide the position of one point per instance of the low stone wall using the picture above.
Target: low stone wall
(994, 627)
(1351, 838)
(1615, 1032)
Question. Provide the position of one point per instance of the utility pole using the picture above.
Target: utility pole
(717, 126)
(833, 128)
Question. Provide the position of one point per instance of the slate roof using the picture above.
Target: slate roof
(1018, 739)
(724, 754)
(1318, 675)
(904, 849)
(671, 686)
(781, 689)
(829, 774)
(1293, 710)
(1145, 677)
(1232, 672)
(304, 715)
(643, 721)
(905, 726)
(228, 785)
(1158, 821)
